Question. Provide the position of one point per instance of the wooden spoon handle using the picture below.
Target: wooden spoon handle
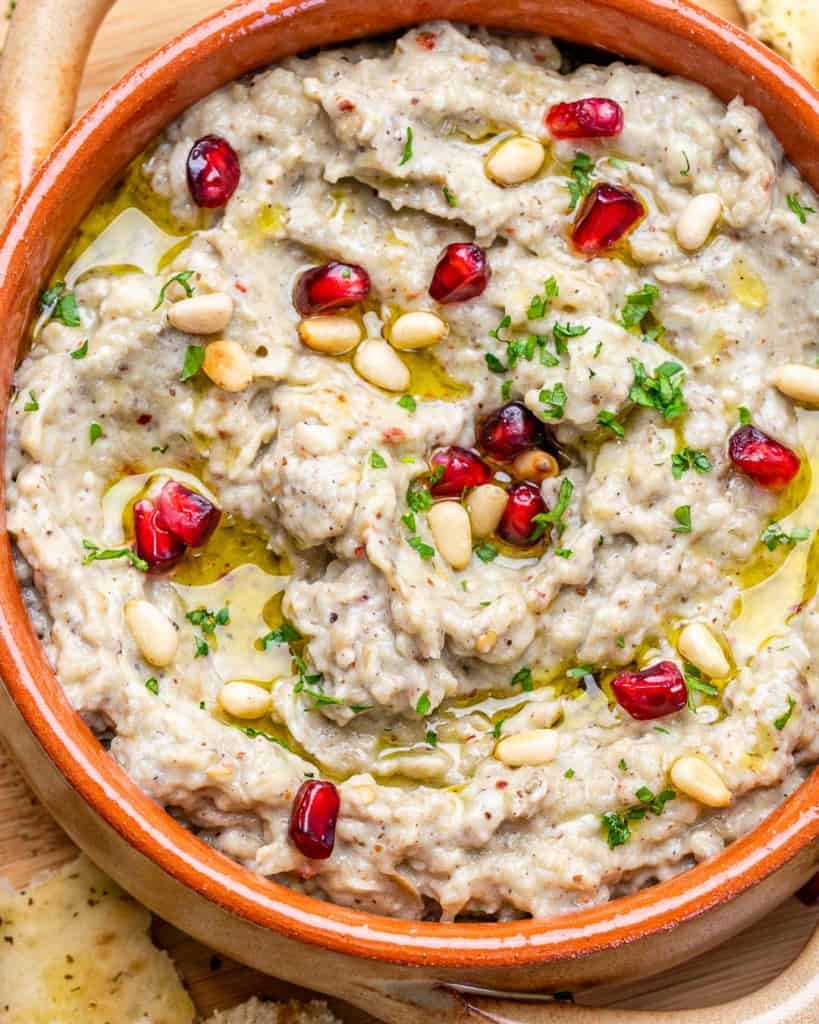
(40, 71)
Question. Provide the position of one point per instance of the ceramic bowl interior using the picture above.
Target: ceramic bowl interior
(668, 34)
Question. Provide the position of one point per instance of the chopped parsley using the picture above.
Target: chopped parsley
(616, 825)
(563, 332)
(284, 634)
(555, 515)
(408, 519)
(553, 401)
(486, 552)
(580, 671)
(798, 209)
(621, 764)
(785, 717)
(312, 684)
(497, 728)
(662, 392)
(506, 390)
(638, 305)
(581, 173)
(683, 516)
(423, 705)
(608, 419)
(569, 773)
(207, 620)
(94, 431)
(689, 458)
(61, 305)
(194, 357)
(94, 553)
(182, 279)
(564, 552)
(406, 153)
(449, 195)
(431, 738)
(408, 402)
(377, 461)
(418, 497)
(523, 679)
(255, 734)
(32, 405)
(494, 364)
(81, 352)
(539, 304)
(152, 685)
(744, 415)
(694, 683)
(686, 170)
(426, 551)
(774, 535)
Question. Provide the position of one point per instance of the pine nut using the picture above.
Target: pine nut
(227, 365)
(528, 748)
(514, 160)
(417, 330)
(332, 335)
(485, 506)
(698, 645)
(201, 314)
(244, 700)
(378, 364)
(695, 777)
(697, 220)
(486, 641)
(153, 632)
(798, 382)
(449, 525)
(421, 765)
(535, 466)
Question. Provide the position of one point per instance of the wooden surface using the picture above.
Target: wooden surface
(30, 842)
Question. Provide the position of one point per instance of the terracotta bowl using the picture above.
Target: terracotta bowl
(399, 971)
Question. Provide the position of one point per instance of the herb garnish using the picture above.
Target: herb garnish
(774, 535)
(797, 208)
(284, 634)
(553, 401)
(207, 621)
(60, 304)
(152, 684)
(638, 313)
(426, 551)
(563, 332)
(98, 554)
(254, 734)
(582, 171)
(616, 824)
(506, 390)
(683, 516)
(423, 705)
(418, 497)
(94, 431)
(689, 458)
(569, 773)
(694, 682)
(182, 279)
(494, 364)
(486, 552)
(523, 679)
(408, 402)
(431, 738)
(81, 352)
(32, 405)
(785, 717)
(451, 199)
(539, 304)
(580, 671)
(662, 392)
(555, 515)
(564, 552)
(607, 418)
(406, 153)
(685, 171)
(194, 357)
(377, 461)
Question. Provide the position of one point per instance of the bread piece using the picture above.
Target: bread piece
(791, 27)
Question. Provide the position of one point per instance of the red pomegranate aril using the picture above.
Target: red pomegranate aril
(462, 273)
(517, 524)
(213, 171)
(155, 543)
(188, 515)
(508, 431)
(461, 469)
(593, 118)
(313, 819)
(767, 462)
(607, 214)
(331, 286)
(656, 691)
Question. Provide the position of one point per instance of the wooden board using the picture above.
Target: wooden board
(31, 842)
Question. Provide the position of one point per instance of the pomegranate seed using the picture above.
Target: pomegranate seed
(517, 522)
(331, 286)
(461, 469)
(160, 548)
(462, 273)
(608, 212)
(188, 515)
(508, 431)
(767, 462)
(313, 819)
(656, 691)
(592, 118)
(213, 171)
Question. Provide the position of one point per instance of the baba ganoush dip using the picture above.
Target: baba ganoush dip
(413, 474)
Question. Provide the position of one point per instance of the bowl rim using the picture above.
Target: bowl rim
(33, 686)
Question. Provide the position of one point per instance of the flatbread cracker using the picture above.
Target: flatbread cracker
(75, 948)
(256, 1012)
(791, 27)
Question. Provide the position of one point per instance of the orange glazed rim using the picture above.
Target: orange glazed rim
(669, 34)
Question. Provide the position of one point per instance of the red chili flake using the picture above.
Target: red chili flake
(346, 106)
(144, 419)
(427, 40)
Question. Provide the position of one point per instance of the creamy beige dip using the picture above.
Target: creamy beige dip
(415, 676)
